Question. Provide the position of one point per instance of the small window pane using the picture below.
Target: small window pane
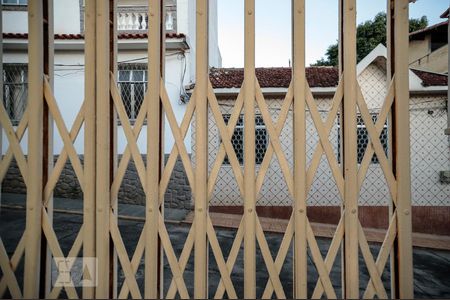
(124, 75)
(137, 76)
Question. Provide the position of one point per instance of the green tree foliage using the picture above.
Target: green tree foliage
(368, 35)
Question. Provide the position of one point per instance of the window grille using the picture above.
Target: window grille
(15, 2)
(132, 86)
(363, 139)
(237, 140)
(15, 90)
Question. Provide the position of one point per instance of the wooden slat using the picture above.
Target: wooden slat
(328, 125)
(331, 256)
(319, 263)
(221, 264)
(173, 156)
(56, 251)
(73, 253)
(375, 275)
(129, 134)
(232, 256)
(172, 259)
(201, 155)
(135, 263)
(325, 142)
(67, 140)
(398, 64)
(126, 156)
(282, 117)
(123, 257)
(225, 137)
(281, 256)
(179, 141)
(214, 173)
(274, 139)
(103, 144)
(349, 136)
(89, 115)
(379, 125)
(14, 144)
(13, 262)
(9, 278)
(272, 269)
(7, 158)
(300, 193)
(375, 143)
(249, 154)
(184, 257)
(383, 254)
(35, 149)
(62, 159)
(153, 171)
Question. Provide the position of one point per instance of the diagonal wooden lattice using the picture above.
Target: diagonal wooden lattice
(68, 152)
(9, 265)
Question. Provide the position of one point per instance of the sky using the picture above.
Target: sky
(273, 27)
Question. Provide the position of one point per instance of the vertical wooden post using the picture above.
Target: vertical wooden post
(398, 65)
(103, 155)
(300, 246)
(155, 55)
(113, 158)
(89, 138)
(35, 149)
(47, 138)
(201, 170)
(350, 149)
(249, 152)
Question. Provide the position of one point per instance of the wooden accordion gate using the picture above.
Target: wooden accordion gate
(100, 174)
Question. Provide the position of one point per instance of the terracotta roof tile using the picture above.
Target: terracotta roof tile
(78, 36)
(431, 79)
(273, 77)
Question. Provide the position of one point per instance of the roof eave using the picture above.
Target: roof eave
(123, 44)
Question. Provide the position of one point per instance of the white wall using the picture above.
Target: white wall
(69, 94)
(66, 18)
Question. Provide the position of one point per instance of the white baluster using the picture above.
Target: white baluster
(135, 20)
(169, 21)
(144, 22)
(120, 21)
(129, 21)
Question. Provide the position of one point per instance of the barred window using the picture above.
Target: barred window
(237, 140)
(363, 139)
(15, 90)
(15, 2)
(132, 86)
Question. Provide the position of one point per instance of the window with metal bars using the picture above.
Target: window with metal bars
(363, 139)
(15, 2)
(132, 86)
(237, 140)
(15, 90)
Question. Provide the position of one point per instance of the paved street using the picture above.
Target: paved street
(431, 267)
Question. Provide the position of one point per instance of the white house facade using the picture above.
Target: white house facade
(131, 57)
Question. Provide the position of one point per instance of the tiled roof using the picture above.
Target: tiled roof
(431, 79)
(439, 26)
(316, 76)
(273, 77)
(78, 36)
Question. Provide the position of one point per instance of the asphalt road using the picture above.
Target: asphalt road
(431, 267)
